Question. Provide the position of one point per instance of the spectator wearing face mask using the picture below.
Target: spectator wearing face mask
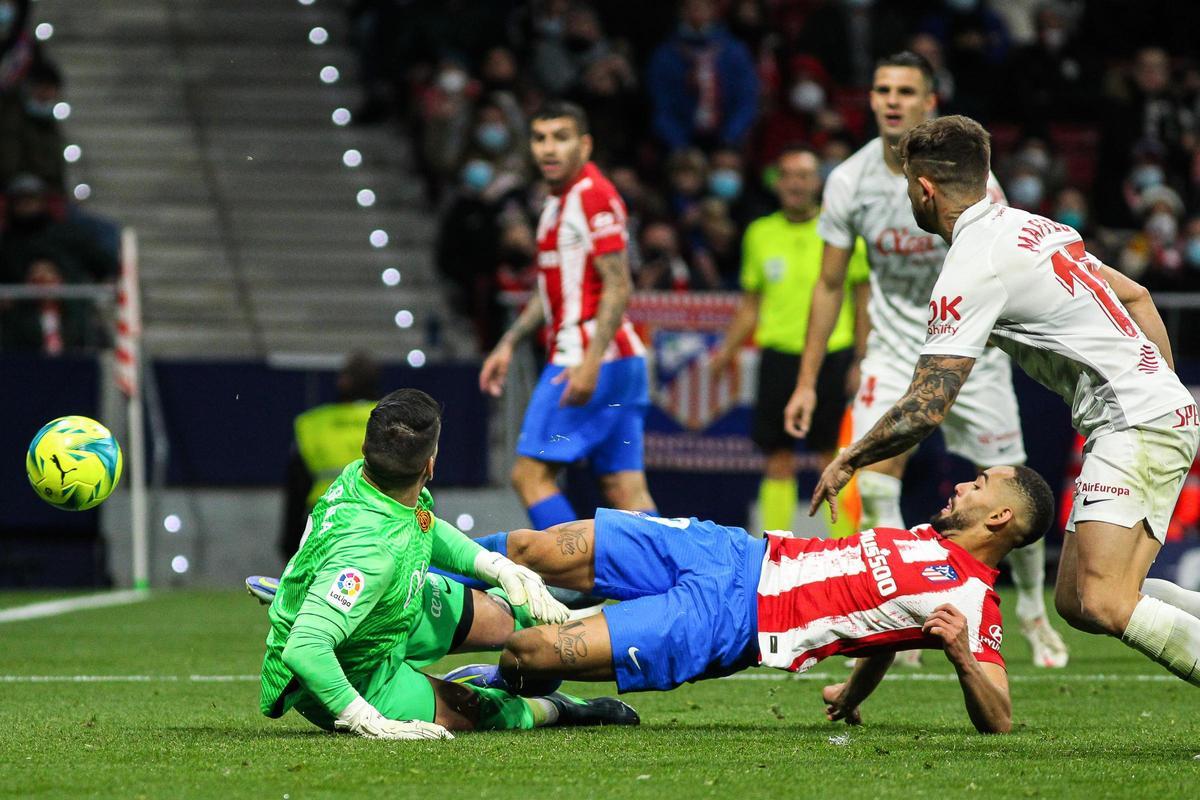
(33, 231)
(608, 92)
(663, 267)
(1071, 208)
(50, 326)
(976, 44)
(1150, 118)
(1034, 174)
(1154, 256)
(1191, 255)
(687, 177)
(1053, 78)
(559, 62)
(702, 83)
(443, 132)
(32, 141)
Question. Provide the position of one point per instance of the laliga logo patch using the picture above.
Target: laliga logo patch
(424, 520)
(345, 590)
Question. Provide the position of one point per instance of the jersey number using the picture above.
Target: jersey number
(1070, 266)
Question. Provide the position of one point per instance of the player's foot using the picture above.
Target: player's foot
(487, 676)
(262, 588)
(600, 711)
(909, 658)
(1049, 650)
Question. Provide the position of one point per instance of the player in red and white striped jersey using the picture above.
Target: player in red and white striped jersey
(591, 398)
(703, 600)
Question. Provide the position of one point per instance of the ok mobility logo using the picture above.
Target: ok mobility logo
(943, 313)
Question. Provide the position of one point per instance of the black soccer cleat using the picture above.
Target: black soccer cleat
(600, 711)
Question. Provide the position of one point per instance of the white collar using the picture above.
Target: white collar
(969, 215)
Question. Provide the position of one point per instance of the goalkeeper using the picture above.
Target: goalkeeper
(338, 650)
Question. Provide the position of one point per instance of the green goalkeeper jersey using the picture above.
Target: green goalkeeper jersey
(352, 593)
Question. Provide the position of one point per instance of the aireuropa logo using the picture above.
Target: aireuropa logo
(347, 587)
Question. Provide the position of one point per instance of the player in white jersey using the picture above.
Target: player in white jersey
(867, 196)
(1083, 330)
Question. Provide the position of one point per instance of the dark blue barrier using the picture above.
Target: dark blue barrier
(230, 423)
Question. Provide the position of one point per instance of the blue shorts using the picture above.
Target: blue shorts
(691, 598)
(608, 430)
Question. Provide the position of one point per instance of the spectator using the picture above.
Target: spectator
(1153, 255)
(327, 438)
(702, 83)
(607, 92)
(663, 267)
(1071, 208)
(1151, 118)
(498, 136)
(928, 46)
(1050, 80)
(559, 62)
(34, 144)
(444, 127)
(1191, 254)
(976, 43)
(1034, 174)
(715, 255)
(50, 326)
(728, 182)
(687, 174)
(32, 232)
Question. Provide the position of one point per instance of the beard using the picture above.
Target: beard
(926, 218)
(949, 521)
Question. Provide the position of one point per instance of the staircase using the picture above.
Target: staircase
(205, 126)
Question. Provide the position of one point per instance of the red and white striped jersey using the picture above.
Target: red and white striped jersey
(585, 220)
(870, 593)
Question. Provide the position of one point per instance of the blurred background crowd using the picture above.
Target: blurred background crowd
(46, 239)
(1094, 113)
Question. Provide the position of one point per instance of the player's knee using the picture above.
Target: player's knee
(525, 653)
(1104, 608)
(628, 492)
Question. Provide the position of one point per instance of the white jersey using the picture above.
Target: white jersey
(1027, 282)
(863, 197)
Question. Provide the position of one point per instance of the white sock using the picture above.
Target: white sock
(1172, 594)
(1167, 635)
(549, 714)
(880, 500)
(1029, 574)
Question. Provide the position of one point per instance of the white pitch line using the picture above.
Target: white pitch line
(939, 677)
(930, 677)
(52, 608)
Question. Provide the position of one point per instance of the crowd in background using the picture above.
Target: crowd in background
(1094, 110)
(45, 239)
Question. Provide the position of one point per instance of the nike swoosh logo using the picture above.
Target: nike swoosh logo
(633, 651)
(1088, 502)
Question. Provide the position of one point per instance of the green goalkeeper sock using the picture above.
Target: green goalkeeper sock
(777, 503)
(520, 614)
(501, 711)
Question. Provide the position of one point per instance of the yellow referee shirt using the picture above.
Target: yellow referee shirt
(781, 260)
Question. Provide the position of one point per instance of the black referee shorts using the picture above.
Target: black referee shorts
(776, 381)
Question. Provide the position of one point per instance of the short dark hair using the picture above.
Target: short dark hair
(954, 151)
(558, 109)
(1038, 498)
(402, 435)
(907, 58)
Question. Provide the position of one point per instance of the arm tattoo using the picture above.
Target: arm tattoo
(571, 645)
(570, 538)
(618, 285)
(936, 383)
(530, 319)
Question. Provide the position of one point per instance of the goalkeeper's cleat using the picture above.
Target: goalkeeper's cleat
(909, 658)
(262, 588)
(600, 711)
(1049, 650)
(487, 676)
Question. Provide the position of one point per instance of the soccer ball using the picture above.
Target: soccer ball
(73, 463)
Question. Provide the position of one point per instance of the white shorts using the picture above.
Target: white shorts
(984, 424)
(1136, 474)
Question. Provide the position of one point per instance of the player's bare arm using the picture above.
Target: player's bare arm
(822, 318)
(495, 367)
(613, 269)
(1140, 305)
(842, 700)
(936, 383)
(984, 685)
(740, 328)
(862, 330)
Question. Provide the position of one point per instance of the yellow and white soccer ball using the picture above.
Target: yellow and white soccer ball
(73, 463)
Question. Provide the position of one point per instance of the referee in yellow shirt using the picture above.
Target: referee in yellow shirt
(781, 260)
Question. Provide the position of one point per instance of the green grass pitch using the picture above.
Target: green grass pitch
(176, 716)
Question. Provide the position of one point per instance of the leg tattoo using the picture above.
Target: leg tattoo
(571, 645)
